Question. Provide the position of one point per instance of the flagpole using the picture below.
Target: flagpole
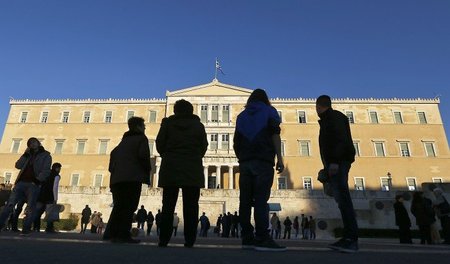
(215, 74)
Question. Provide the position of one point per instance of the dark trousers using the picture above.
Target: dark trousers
(140, 225)
(404, 234)
(313, 234)
(425, 234)
(149, 228)
(40, 210)
(287, 231)
(341, 194)
(175, 229)
(255, 183)
(14, 218)
(445, 223)
(126, 199)
(191, 196)
(83, 227)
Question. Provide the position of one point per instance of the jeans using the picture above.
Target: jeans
(40, 210)
(23, 191)
(341, 194)
(126, 200)
(255, 183)
(149, 228)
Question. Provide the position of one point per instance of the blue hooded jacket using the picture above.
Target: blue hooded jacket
(255, 127)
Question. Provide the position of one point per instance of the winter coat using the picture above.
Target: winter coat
(141, 215)
(182, 143)
(401, 215)
(335, 138)
(130, 160)
(150, 218)
(41, 166)
(86, 215)
(255, 127)
(287, 224)
(423, 211)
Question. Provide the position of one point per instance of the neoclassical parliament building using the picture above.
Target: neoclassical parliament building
(400, 143)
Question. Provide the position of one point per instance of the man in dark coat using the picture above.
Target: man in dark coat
(287, 228)
(338, 153)
(130, 168)
(141, 217)
(256, 143)
(34, 166)
(85, 217)
(158, 222)
(150, 219)
(402, 221)
(422, 209)
(182, 143)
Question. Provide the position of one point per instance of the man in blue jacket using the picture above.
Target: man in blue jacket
(256, 142)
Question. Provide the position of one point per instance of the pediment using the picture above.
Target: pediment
(214, 88)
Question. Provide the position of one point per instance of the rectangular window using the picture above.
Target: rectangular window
(151, 146)
(385, 185)
(8, 176)
(103, 146)
(304, 148)
(437, 180)
(108, 116)
(283, 146)
(307, 183)
(225, 141)
(302, 117)
(404, 149)
(65, 117)
(351, 118)
(282, 183)
(214, 141)
(130, 114)
(59, 146)
(98, 181)
(44, 117)
(379, 149)
(280, 114)
(359, 184)
(215, 113)
(80, 146)
(152, 118)
(373, 117)
(398, 118)
(86, 117)
(226, 113)
(422, 118)
(204, 113)
(16, 145)
(356, 146)
(411, 182)
(75, 179)
(23, 117)
(429, 148)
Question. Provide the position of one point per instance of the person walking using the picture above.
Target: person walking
(442, 207)
(141, 217)
(312, 227)
(85, 217)
(423, 211)
(48, 196)
(158, 222)
(182, 144)
(150, 219)
(402, 220)
(176, 222)
(287, 227)
(93, 224)
(256, 143)
(34, 166)
(338, 153)
(204, 225)
(273, 223)
(130, 168)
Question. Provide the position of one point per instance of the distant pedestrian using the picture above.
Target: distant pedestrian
(204, 225)
(226, 223)
(303, 225)
(235, 225)
(422, 209)
(182, 144)
(256, 143)
(100, 224)
(278, 230)
(273, 222)
(296, 226)
(312, 228)
(402, 220)
(338, 153)
(176, 222)
(92, 221)
(219, 223)
(141, 217)
(130, 168)
(150, 219)
(85, 217)
(287, 228)
(307, 231)
(158, 222)
(442, 206)
(34, 166)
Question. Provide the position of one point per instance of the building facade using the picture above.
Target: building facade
(400, 143)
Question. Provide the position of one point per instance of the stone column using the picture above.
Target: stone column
(205, 171)
(231, 177)
(218, 177)
(156, 176)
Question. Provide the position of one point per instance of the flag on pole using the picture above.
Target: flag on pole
(218, 67)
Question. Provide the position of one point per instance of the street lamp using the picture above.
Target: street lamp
(389, 181)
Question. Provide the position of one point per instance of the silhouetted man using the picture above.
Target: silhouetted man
(141, 217)
(338, 153)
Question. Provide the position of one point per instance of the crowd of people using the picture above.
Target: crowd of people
(304, 228)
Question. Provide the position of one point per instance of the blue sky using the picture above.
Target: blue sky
(140, 49)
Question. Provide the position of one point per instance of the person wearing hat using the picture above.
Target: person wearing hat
(34, 166)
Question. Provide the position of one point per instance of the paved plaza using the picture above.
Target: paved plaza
(88, 248)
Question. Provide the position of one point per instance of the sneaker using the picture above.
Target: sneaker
(337, 245)
(25, 232)
(345, 246)
(248, 243)
(268, 245)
